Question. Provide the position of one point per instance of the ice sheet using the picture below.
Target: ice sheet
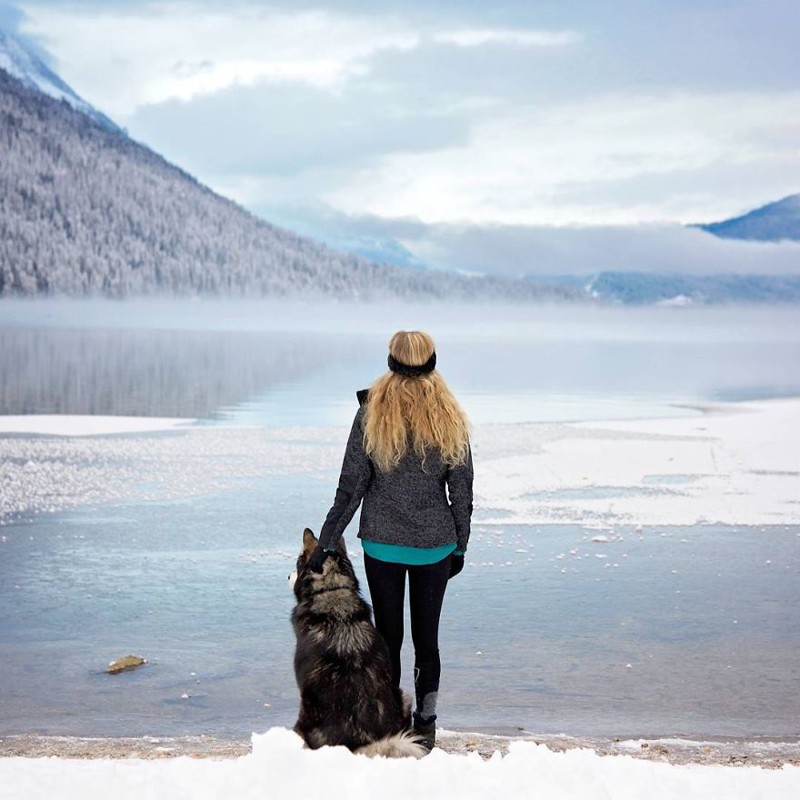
(735, 464)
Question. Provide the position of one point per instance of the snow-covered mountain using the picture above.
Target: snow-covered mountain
(19, 60)
(773, 222)
(86, 210)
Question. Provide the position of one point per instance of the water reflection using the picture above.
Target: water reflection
(152, 373)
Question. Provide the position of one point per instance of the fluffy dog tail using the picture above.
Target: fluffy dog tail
(401, 745)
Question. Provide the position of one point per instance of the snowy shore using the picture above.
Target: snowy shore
(766, 753)
(278, 766)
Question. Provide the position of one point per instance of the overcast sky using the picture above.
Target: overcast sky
(437, 123)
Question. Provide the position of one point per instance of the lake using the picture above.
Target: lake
(176, 545)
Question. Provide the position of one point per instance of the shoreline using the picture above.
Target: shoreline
(763, 752)
(87, 425)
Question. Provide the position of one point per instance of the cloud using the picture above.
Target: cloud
(263, 134)
(130, 57)
(587, 250)
(10, 17)
(11, 20)
(473, 37)
(523, 166)
(548, 251)
(615, 160)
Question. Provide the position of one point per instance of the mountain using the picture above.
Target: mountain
(773, 222)
(672, 289)
(19, 61)
(86, 210)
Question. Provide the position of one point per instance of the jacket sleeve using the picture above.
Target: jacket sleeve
(459, 491)
(353, 481)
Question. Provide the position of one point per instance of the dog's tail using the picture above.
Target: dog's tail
(401, 745)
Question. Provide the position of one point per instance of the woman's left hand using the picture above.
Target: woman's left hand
(317, 559)
(456, 564)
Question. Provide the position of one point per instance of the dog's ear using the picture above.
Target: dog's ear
(341, 547)
(309, 541)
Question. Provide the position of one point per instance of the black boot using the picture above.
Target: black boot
(425, 730)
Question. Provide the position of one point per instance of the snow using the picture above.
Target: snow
(86, 425)
(679, 301)
(738, 464)
(280, 767)
(20, 62)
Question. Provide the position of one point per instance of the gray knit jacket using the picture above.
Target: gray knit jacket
(416, 504)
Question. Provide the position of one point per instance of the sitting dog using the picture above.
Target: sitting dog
(342, 666)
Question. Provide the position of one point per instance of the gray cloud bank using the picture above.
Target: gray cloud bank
(547, 251)
(553, 251)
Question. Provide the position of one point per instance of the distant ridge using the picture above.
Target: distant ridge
(670, 289)
(773, 222)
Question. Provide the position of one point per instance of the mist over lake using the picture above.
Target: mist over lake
(221, 359)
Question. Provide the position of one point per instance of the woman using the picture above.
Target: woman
(408, 458)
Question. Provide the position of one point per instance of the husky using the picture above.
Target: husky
(342, 665)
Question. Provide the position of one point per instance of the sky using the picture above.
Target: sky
(538, 129)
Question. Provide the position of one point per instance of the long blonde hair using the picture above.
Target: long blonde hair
(419, 410)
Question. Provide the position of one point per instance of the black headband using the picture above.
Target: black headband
(412, 372)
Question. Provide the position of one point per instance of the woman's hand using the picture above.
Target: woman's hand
(456, 564)
(317, 559)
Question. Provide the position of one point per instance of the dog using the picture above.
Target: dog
(342, 664)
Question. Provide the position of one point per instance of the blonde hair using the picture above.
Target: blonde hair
(419, 410)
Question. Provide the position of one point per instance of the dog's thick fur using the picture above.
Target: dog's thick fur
(342, 665)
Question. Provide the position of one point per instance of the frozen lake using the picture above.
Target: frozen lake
(176, 545)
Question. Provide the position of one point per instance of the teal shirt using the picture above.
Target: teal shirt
(404, 554)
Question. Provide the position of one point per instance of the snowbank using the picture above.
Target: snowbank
(279, 767)
(736, 464)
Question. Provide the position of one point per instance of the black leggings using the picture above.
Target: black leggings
(426, 584)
